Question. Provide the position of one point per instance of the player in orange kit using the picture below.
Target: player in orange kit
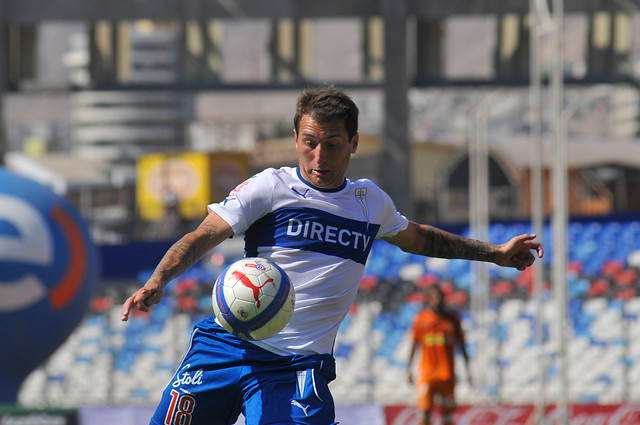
(436, 332)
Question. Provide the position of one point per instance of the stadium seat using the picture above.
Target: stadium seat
(187, 303)
(447, 287)
(625, 294)
(626, 278)
(575, 266)
(457, 299)
(611, 268)
(427, 280)
(595, 305)
(599, 287)
(185, 286)
(501, 289)
(100, 304)
(510, 310)
(418, 297)
(369, 283)
(410, 272)
(633, 259)
(525, 280)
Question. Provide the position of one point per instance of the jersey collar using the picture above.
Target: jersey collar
(337, 189)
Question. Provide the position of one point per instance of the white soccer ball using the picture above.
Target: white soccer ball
(253, 298)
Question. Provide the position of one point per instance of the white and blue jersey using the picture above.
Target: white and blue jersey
(321, 238)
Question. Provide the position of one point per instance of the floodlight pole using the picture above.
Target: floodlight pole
(560, 207)
(540, 26)
(479, 201)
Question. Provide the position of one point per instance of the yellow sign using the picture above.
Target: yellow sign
(168, 181)
(186, 182)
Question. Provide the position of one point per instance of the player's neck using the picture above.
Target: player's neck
(439, 309)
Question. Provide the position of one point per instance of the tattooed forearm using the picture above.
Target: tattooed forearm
(177, 260)
(209, 229)
(439, 243)
(185, 253)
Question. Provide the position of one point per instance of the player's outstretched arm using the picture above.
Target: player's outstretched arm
(182, 255)
(431, 241)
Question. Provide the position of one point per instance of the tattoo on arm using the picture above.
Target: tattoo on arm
(184, 254)
(439, 243)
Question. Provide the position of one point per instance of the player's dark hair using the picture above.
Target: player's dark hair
(436, 288)
(327, 104)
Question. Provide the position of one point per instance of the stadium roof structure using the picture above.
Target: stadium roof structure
(38, 10)
(395, 84)
(583, 153)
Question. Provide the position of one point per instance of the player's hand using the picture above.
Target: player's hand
(517, 252)
(150, 294)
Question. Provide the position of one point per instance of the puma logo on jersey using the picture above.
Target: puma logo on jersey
(304, 195)
(303, 407)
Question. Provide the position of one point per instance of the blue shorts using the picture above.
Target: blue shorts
(222, 376)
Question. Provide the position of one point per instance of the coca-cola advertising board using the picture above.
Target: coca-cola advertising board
(579, 414)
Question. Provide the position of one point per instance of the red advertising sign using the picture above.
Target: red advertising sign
(579, 414)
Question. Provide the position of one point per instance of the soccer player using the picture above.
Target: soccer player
(437, 332)
(319, 227)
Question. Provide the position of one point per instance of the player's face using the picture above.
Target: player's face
(434, 299)
(324, 150)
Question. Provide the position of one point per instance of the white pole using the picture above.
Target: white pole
(560, 211)
(479, 223)
(537, 200)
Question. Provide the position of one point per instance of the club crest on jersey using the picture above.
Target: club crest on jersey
(361, 196)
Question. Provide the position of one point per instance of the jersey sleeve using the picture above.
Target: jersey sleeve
(391, 221)
(245, 204)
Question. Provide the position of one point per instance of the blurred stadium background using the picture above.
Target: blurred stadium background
(142, 113)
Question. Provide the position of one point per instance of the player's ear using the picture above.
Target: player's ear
(354, 143)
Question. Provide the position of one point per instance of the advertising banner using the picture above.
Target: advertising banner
(167, 181)
(126, 415)
(47, 277)
(369, 414)
(186, 182)
(10, 415)
(579, 414)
